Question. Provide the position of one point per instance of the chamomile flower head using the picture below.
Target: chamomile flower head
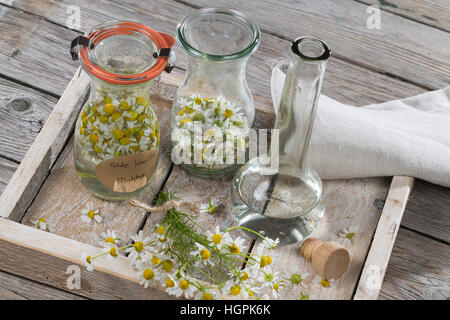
(210, 207)
(88, 261)
(148, 274)
(210, 293)
(203, 255)
(168, 281)
(184, 288)
(90, 214)
(109, 239)
(269, 243)
(43, 225)
(236, 246)
(142, 248)
(347, 234)
(112, 253)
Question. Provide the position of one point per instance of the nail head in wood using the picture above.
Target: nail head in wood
(329, 259)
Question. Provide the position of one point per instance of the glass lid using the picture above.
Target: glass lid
(218, 34)
(126, 52)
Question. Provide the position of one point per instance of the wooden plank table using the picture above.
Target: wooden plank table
(408, 55)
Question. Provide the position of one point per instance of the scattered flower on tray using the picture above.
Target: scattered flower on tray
(90, 214)
(210, 207)
(43, 225)
(347, 234)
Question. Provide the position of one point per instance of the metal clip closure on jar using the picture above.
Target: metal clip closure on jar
(117, 132)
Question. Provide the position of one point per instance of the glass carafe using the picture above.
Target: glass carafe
(279, 194)
(213, 109)
(117, 132)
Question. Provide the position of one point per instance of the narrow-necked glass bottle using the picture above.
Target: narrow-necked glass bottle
(214, 94)
(280, 195)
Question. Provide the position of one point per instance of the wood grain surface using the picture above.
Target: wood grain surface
(365, 69)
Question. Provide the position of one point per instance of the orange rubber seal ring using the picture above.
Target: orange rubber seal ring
(161, 40)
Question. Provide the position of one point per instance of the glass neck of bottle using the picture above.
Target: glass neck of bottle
(299, 100)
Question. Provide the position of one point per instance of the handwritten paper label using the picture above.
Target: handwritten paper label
(128, 173)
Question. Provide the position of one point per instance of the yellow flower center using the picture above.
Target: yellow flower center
(268, 260)
(91, 214)
(235, 290)
(184, 121)
(140, 101)
(234, 248)
(325, 283)
(244, 276)
(89, 259)
(97, 149)
(155, 260)
(124, 141)
(85, 122)
(116, 115)
(163, 239)
(205, 254)
(103, 119)
(207, 296)
(198, 100)
(107, 100)
(124, 105)
(110, 240)
(184, 284)
(212, 210)
(132, 116)
(113, 252)
(148, 274)
(93, 138)
(167, 265)
(118, 134)
(138, 246)
(160, 230)
(228, 113)
(276, 286)
(109, 108)
(170, 283)
(217, 238)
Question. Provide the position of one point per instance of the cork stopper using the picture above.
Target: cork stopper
(329, 259)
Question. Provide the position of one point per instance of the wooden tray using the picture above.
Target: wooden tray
(45, 186)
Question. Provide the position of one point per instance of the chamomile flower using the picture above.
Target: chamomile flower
(88, 262)
(207, 294)
(320, 283)
(347, 234)
(168, 282)
(269, 243)
(184, 288)
(203, 255)
(236, 245)
(219, 239)
(148, 275)
(90, 214)
(43, 225)
(112, 253)
(210, 207)
(110, 239)
(141, 249)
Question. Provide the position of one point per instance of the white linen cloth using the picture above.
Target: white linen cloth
(409, 137)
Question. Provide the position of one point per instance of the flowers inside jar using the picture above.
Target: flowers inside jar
(116, 125)
(209, 135)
